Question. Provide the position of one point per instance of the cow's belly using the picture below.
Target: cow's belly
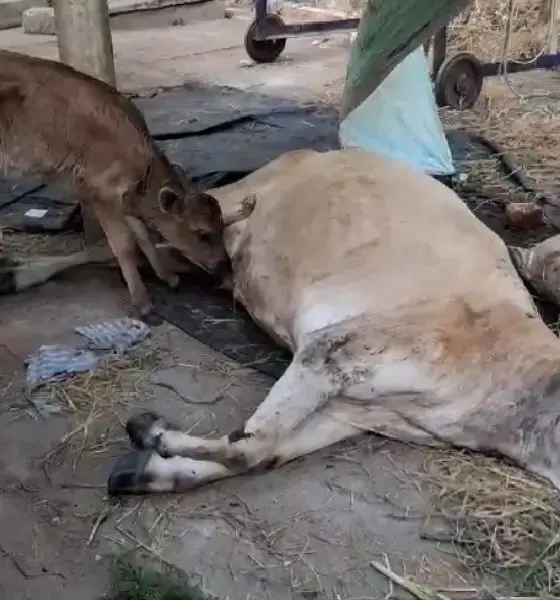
(384, 289)
(291, 309)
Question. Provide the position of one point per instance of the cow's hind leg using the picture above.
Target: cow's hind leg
(148, 472)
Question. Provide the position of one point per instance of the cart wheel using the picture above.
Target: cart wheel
(459, 82)
(264, 51)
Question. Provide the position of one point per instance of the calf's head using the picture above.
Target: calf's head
(188, 220)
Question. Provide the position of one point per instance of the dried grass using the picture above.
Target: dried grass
(482, 29)
(17, 244)
(96, 401)
(523, 122)
(520, 111)
(504, 523)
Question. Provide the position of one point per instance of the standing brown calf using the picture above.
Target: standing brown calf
(55, 120)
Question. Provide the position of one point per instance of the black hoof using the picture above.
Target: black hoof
(139, 428)
(152, 319)
(128, 475)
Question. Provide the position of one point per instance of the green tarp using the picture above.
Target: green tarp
(389, 30)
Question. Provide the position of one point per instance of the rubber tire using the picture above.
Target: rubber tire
(264, 51)
(474, 64)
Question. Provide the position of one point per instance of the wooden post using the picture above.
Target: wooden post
(553, 18)
(85, 43)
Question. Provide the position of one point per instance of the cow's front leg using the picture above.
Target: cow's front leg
(17, 275)
(297, 395)
(147, 472)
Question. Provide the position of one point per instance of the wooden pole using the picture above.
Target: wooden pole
(553, 24)
(85, 43)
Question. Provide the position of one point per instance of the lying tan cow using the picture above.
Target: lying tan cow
(405, 315)
(58, 121)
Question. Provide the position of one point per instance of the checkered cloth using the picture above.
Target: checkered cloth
(56, 362)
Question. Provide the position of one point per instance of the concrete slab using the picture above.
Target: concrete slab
(124, 14)
(117, 7)
(307, 530)
(212, 51)
(38, 20)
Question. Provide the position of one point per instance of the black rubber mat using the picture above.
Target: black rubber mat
(210, 316)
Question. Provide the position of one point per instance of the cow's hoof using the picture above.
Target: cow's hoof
(129, 475)
(145, 430)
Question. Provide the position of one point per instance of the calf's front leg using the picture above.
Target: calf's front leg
(123, 245)
(148, 248)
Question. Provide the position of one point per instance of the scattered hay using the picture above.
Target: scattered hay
(482, 29)
(96, 401)
(505, 524)
(519, 114)
(24, 245)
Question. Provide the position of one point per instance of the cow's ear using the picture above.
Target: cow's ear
(170, 201)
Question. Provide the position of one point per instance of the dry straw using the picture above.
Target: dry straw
(481, 29)
(504, 523)
(95, 401)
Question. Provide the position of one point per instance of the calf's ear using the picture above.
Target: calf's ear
(170, 201)
(184, 175)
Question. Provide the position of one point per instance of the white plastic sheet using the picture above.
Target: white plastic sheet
(400, 120)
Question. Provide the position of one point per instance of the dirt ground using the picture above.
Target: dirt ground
(309, 530)
(212, 51)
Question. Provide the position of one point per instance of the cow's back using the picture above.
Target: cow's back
(345, 233)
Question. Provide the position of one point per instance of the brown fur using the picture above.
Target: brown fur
(57, 121)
